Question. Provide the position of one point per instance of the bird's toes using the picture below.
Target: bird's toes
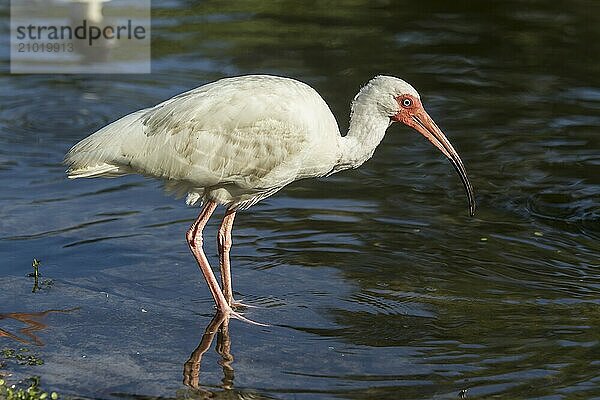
(236, 305)
(239, 316)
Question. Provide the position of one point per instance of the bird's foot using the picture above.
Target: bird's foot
(230, 313)
(239, 316)
(236, 305)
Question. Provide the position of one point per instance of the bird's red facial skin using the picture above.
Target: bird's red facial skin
(414, 115)
(409, 106)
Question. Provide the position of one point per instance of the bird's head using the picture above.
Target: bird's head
(400, 102)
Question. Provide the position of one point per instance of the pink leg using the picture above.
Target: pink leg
(194, 239)
(224, 244)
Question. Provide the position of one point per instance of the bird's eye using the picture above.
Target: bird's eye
(406, 102)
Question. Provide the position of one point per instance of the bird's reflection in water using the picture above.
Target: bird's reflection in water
(218, 326)
(33, 324)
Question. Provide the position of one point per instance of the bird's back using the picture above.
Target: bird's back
(235, 140)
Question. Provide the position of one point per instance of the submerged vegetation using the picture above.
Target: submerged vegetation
(36, 274)
(28, 389)
(23, 356)
(36, 277)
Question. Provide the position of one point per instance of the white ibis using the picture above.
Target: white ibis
(238, 140)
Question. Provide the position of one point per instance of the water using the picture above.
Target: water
(376, 283)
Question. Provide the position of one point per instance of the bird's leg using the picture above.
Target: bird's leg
(194, 239)
(224, 244)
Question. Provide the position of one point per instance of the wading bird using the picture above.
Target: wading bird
(239, 140)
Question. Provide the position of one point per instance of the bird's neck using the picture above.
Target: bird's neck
(367, 129)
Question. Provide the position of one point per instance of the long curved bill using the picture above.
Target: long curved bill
(428, 128)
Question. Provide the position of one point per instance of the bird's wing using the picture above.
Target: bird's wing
(227, 137)
(216, 134)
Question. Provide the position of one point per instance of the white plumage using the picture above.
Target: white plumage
(233, 141)
(238, 140)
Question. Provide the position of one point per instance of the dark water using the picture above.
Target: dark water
(376, 283)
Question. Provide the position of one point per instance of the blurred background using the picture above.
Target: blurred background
(376, 283)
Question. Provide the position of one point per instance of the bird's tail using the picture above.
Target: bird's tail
(104, 170)
(99, 155)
